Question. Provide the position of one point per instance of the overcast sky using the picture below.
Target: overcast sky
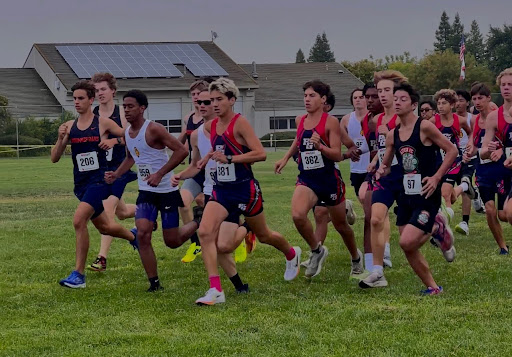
(265, 31)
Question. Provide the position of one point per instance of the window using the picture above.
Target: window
(282, 123)
(167, 114)
(172, 125)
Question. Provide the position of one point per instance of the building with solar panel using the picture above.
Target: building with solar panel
(271, 94)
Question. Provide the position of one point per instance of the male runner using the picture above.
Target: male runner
(318, 143)
(416, 142)
(106, 87)
(86, 136)
(236, 191)
(450, 125)
(427, 109)
(147, 142)
(192, 188)
(504, 81)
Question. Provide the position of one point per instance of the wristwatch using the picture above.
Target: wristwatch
(229, 157)
(119, 140)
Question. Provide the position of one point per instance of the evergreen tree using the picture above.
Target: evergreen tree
(499, 48)
(475, 43)
(321, 50)
(456, 35)
(299, 57)
(443, 34)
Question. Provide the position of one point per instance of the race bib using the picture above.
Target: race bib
(109, 154)
(312, 160)
(144, 170)
(87, 161)
(381, 154)
(360, 145)
(412, 184)
(508, 152)
(443, 153)
(483, 161)
(226, 172)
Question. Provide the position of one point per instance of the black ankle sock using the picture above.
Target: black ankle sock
(317, 250)
(465, 218)
(195, 239)
(154, 282)
(357, 260)
(237, 282)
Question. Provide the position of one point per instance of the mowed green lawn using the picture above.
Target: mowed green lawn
(326, 316)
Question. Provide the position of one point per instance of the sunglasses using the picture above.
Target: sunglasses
(425, 109)
(205, 102)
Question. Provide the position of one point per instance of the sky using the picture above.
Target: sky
(264, 31)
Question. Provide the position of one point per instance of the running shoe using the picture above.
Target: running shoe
(305, 263)
(443, 237)
(316, 261)
(471, 189)
(357, 270)
(351, 214)
(241, 253)
(212, 297)
(74, 280)
(153, 289)
(444, 210)
(387, 261)
(431, 291)
(504, 251)
(134, 243)
(192, 253)
(374, 280)
(99, 264)
(478, 204)
(293, 266)
(243, 290)
(462, 228)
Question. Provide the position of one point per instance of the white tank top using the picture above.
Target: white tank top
(355, 131)
(148, 161)
(205, 146)
(464, 140)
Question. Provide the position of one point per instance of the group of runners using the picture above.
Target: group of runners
(423, 164)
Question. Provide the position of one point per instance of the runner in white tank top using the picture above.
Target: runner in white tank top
(147, 143)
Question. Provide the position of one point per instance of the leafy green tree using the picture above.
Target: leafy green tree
(475, 43)
(456, 35)
(364, 69)
(321, 50)
(299, 57)
(499, 48)
(443, 34)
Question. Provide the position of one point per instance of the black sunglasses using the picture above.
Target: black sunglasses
(205, 102)
(425, 109)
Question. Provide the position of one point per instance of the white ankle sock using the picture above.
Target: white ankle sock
(368, 261)
(464, 186)
(387, 251)
(378, 269)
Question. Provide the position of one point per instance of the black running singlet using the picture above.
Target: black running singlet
(117, 154)
(191, 126)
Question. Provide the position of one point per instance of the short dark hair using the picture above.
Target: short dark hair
(318, 86)
(105, 77)
(406, 87)
(480, 88)
(429, 102)
(352, 94)
(138, 95)
(366, 87)
(331, 100)
(87, 86)
(464, 93)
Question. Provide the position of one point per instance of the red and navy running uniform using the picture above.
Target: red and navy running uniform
(452, 133)
(388, 188)
(371, 140)
(89, 165)
(316, 171)
(415, 160)
(116, 156)
(235, 187)
(191, 126)
(504, 134)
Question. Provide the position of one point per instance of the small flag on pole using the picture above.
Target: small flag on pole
(461, 57)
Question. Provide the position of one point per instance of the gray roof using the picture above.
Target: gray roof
(68, 77)
(27, 93)
(280, 85)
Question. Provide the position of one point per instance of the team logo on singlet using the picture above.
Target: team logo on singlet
(362, 132)
(136, 151)
(448, 136)
(307, 143)
(242, 207)
(334, 196)
(423, 217)
(409, 160)
(219, 148)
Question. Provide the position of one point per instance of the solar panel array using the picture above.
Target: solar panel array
(140, 61)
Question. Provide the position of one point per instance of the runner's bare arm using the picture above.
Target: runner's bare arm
(183, 135)
(62, 141)
(434, 135)
(192, 169)
(491, 125)
(109, 126)
(333, 151)
(111, 176)
(179, 150)
(257, 153)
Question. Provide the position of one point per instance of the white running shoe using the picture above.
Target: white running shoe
(374, 280)
(351, 214)
(444, 238)
(293, 266)
(357, 270)
(316, 261)
(305, 263)
(478, 204)
(462, 228)
(471, 189)
(212, 297)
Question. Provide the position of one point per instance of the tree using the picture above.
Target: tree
(364, 69)
(456, 35)
(499, 48)
(443, 33)
(475, 43)
(299, 57)
(321, 50)
(5, 116)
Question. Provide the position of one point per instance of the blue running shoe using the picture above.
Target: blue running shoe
(504, 251)
(74, 280)
(134, 242)
(431, 291)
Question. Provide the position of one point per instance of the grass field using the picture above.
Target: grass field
(328, 316)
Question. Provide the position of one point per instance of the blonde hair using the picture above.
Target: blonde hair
(391, 75)
(226, 87)
(200, 85)
(448, 94)
(505, 72)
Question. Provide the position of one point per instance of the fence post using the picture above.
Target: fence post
(17, 140)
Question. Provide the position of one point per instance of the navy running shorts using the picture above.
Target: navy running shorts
(149, 203)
